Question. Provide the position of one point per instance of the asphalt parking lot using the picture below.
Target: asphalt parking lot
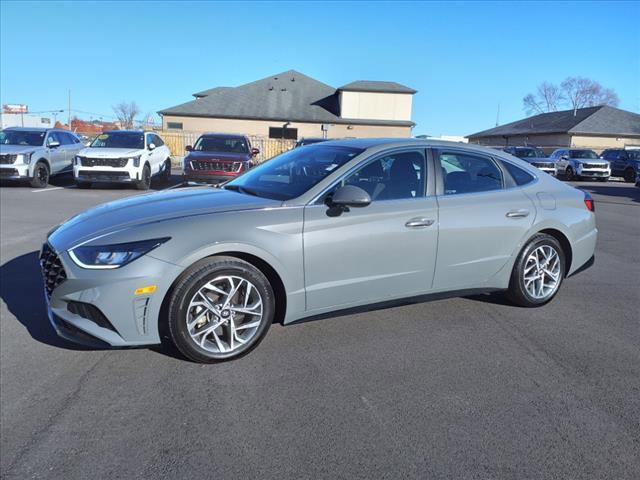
(456, 388)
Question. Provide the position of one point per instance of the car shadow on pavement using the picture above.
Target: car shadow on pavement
(22, 292)
(66, 180)
(630, 192)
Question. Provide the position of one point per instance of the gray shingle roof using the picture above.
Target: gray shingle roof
(375, 86)
(602, 120)
(287, 96)
(211, 91)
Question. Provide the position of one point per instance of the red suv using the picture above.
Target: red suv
(218, 157)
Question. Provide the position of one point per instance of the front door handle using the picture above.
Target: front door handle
(518, 213)
(419, 223)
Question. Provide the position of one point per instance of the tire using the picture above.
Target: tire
(83, 185)
(569, 174)
(165, 176)
(222, 274)
(629, 175)
(40, 175)
(145, 182)
(520, 288)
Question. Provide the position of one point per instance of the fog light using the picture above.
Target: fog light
(147, 289)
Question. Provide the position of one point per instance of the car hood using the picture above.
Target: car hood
(17, 149)
(234, 157)
(150, 208)
(109, 152)
(591, 161)
(538, 159)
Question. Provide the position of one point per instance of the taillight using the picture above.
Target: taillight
(589, 203)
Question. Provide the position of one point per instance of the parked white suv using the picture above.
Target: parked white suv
(36, 154)
(123, 156)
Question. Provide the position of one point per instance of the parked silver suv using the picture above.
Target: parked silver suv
(35, 154)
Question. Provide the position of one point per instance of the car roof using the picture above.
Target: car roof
(224, 135)
(383, 143)
(35, 129)
(127, 131)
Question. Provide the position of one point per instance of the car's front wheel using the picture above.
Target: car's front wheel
(630, 175)
(165, 176)
(538, 272)
(220, 309)
(145, 180)
(569, 174)
(40, 175)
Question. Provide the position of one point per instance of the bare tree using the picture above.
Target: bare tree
(583, 92)
(126, 113)
(574, 93)
(547, 98)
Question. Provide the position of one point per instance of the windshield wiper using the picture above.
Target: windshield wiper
(245, 190)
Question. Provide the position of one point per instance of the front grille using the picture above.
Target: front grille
(8, 172)
(104, 162)
(103, 175)
(53, 272)
(593, 165)
(90, 312)
(543, 164)
(215, 166)
(8, 159)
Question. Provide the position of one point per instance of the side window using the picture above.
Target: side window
(158, 141)
(519, 175)
(53, 137)
(393, 177)
(67, 138)
(469, 173)
(150, 139)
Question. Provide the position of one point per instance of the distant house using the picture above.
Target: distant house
(292, 105)
(594, 127)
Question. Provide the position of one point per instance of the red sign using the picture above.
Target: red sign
(15, 108)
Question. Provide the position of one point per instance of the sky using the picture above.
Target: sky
(466, 59)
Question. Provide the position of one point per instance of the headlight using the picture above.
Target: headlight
(113, 256)
(135, 160)
(25, 158)
(78, 160)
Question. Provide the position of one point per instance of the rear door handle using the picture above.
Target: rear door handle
(419, 223)
(518, 213)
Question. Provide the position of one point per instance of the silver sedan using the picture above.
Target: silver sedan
(331, 226)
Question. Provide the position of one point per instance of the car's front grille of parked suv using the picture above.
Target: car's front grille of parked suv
(8, 159)
(543, 164)
(215, 166)
(104, 162)
(593, 165)
(8, 172)
(53, 272)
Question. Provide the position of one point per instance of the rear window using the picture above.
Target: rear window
(518, 174)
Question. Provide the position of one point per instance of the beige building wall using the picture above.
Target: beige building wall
(381, 106)
(600, 143)
(550, 142)
(261, 127)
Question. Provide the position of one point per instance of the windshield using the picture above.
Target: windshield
(119, 140)
(583, 154)
(22, 137)
(529, 153)
(633, 154)
(291, 174)
(222, 145)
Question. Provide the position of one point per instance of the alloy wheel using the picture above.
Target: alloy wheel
(542, 272)
(224, 314)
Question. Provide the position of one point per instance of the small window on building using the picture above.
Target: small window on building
(174, 125)
(283, 133)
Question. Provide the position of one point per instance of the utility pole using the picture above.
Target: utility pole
(69, 119)
(498, 115)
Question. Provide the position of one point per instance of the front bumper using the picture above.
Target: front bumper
(132, 319)
(13, 171)
(593, 173)
(216, 177)
(105, 174)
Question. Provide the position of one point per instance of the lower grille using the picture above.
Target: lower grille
(542, 165)
(53, 272)
(104, 162)
(8, 159)
(215, 166)
(103, 175)
(593, 165)
(90, 312)
(8, 172)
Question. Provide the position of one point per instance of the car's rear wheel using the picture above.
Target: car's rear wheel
(569, 174)
(220, 309)
(165, 176)
(629, 175)
(40, 175)
(145, 181)
(538, 272)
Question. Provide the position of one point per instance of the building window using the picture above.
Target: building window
(286, 133)
(174, 125)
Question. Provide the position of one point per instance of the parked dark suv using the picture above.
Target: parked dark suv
(624, 163)
(534, 156)
(218, 157)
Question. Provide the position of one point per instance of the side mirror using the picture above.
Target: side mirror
(152, 146)
(54, 144)
(345, 197)
(254, 152)
(188, 148)
(564, 157)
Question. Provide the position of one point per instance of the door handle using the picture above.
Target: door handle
(518, 213)
(419, 222)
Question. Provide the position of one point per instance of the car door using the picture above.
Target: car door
(57, 155)
(155, 155)
(384, 250)
(483, 217)
(70, 148)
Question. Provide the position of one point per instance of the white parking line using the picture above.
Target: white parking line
(47, 189)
